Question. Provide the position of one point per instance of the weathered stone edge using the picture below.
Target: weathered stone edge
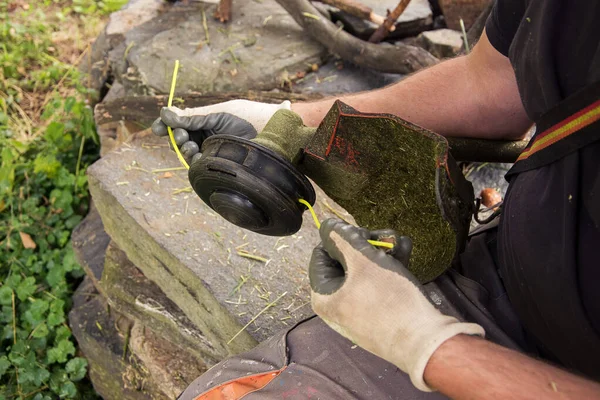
(174, 278)
(164, 319)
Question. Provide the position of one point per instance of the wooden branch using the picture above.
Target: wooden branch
(357, 9)
(399, 58)
(223, 12)
(385, 28)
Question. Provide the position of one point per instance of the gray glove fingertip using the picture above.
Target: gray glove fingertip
(189, 149)
(181, 136)
(159, 128)
(403, 250)
(196, 157)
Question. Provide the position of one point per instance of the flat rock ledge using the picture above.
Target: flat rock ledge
(191, 253)
(257, 50)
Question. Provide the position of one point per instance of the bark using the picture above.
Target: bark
(399, 58)
(385, 28)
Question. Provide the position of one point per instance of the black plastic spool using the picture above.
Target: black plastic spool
(250, 185)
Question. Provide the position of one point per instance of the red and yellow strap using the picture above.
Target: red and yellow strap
(574, 123)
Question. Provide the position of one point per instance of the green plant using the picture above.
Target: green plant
(43, 196)
(93, 6)
(47, 140)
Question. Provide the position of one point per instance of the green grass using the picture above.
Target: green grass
(47, 140)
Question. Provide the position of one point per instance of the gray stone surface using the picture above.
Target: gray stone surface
(89, 245)
(131, 293)
(168, 366)
(337, 77)
(488, 175)
(442, 43)
(135, 13)
(416, 18)
(127, 360)
(191, 253)
(255, 51)
(101, 337)
(96, 68)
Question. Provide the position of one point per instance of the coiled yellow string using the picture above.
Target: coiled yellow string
(318, 224)
(185, 164)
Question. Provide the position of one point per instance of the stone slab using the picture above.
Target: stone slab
(131, 293)
(442, 43)
(338, 77)
(416, 18)
(191, 253)
(98, 337)
(127, 360)
(168, 366)
(255, 51)
(417, 9)
(89, 244)
(135, 13)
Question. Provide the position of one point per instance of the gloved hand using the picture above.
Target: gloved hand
(369, 297)
(191, 126)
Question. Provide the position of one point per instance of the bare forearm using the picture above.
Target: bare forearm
(469, 96)
(466, 367)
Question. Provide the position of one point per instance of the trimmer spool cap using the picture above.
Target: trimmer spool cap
(250, 185)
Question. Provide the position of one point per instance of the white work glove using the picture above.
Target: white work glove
(191, 126)
(368, 296)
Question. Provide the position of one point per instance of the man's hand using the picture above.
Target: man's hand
(370, 297)
(192, 126)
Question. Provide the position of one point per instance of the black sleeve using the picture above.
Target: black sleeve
(503, 22)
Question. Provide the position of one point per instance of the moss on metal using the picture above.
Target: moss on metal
(400, 170)
(387, 173)
(286, 135)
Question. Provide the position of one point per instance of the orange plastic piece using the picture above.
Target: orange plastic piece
(238, 388)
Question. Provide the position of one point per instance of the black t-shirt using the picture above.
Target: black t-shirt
(549, 234)
(553, 45)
